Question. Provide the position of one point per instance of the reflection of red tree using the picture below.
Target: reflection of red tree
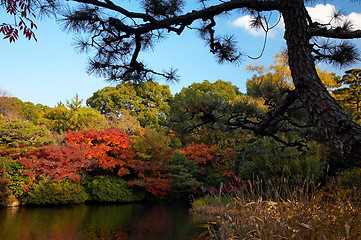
(165, 222)
(144, 223)
(54, 224)
(120, 236)
(156, 223)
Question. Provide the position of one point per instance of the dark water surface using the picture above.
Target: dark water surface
(140, 221)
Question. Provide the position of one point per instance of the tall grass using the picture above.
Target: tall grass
(287, 209)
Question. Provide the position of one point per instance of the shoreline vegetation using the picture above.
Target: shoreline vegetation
(283, 209)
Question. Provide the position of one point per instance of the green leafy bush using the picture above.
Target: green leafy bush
(50, 192)
(184, 174)
(17, 136)
(12, 171)
(111, 189)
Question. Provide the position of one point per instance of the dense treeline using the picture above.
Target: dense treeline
(135, 142)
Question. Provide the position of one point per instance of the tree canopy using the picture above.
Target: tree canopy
(72, 116)
(202, 104)
(148, 101)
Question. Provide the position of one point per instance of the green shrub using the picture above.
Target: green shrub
(4, 191)
(108, 188)
(351, 178)
(12, 171)
(17, 136)
(184, 174)
(62, 192)
(212, 200)
(267, 159)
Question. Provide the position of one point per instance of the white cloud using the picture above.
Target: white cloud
(323, 14)
(245, 22)
(355, 19)
(320, 13)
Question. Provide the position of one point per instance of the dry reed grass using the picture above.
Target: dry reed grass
(289, 209)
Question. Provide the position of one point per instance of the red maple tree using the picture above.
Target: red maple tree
(153, 176)
(110, 147)
(21, 11)
(147, 167)
(59, 162)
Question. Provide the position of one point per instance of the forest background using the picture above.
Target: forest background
(138, 141)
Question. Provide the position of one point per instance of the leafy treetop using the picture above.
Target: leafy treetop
(148, 101)
(202, 104)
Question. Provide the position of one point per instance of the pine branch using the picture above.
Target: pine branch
(185, 19)
(337, 33)
(111, 6)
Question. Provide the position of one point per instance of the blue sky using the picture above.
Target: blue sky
(49, 70)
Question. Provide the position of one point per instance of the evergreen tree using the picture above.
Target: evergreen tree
(147, 101)
(349, 95)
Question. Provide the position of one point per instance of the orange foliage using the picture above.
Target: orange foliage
(110, 147)
(199, 152)
(154, 177)
(210, 157)
(66, 161)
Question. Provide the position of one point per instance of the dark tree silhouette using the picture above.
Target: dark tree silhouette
(118, 35)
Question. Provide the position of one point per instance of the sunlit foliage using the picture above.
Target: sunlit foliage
(17, 137)
(147, 101)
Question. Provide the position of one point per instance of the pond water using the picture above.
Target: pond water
(138, 221)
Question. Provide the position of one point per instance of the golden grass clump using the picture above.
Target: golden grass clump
(289, 210)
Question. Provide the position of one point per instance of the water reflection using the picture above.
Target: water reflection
(165, 221)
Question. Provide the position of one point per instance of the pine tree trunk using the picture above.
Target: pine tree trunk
(334, 123)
